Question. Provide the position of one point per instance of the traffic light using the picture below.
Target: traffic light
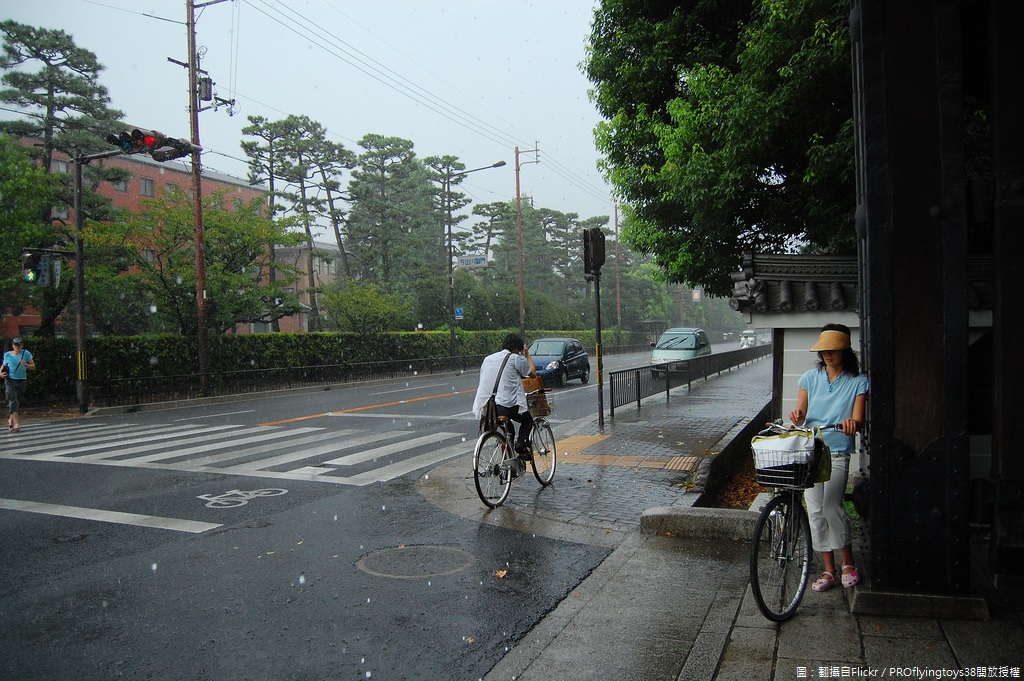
(156, 144)
(138, 141)
(30, 267)
(593, 250)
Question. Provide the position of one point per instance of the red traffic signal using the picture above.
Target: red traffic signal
(138, 141)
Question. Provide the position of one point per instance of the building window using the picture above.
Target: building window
(59, 166)
(146, 187)
(121, 186)
(149, 255)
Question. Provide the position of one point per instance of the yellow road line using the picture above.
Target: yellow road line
(366, 408)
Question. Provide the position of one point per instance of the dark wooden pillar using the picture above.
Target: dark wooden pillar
(911, 214)
(1006, 62)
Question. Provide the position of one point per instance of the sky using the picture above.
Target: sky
(468, 78)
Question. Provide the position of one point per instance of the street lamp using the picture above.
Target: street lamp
(447, 197)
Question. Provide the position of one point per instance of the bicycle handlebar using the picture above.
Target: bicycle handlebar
(778, 427)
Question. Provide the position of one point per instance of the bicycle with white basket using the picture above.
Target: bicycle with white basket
(786, 459)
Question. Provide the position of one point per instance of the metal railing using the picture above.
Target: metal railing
(633, 385)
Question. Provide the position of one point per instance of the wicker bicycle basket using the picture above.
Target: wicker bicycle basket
(786, 459)
(539, 404)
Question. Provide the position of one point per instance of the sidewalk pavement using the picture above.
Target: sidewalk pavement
(671, 601)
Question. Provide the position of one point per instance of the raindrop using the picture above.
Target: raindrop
(336, 520)
(428, 583)
(383, 508)
(153, 361)
(153, 567)
(426, 476)
(302, 580)
(463, 438)
(152, 309)
(369, 674)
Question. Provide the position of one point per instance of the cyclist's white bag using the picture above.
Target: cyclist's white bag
(791, 459)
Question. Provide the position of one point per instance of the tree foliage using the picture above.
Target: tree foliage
(387, 209)
(727, 128)
(158, 290)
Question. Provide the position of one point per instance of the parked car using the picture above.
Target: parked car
(748, 339)
(560, 360)
(678, 344)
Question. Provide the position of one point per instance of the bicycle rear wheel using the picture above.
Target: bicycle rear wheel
(543, 452)
(490, 470)
(780, 558)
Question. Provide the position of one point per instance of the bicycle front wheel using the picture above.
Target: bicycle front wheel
(543, 453)
(780, 558)
(490, 469)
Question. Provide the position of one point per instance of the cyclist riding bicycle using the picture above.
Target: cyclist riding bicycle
(510, 398)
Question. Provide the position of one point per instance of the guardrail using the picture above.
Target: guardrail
(633, 385)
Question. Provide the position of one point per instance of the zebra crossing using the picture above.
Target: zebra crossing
(350, 456)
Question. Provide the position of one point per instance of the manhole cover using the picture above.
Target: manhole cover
(415, 562)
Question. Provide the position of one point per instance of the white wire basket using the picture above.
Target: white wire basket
(786, 459)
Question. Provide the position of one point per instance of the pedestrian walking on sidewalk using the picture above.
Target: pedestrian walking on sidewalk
(833, 392)
(14, 372)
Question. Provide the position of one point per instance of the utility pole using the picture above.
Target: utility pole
(202, 340)
(519, 236)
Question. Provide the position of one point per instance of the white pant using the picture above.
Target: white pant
(830, 526)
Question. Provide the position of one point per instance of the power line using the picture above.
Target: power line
(395, 81)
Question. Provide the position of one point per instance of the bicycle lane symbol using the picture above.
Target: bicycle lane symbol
(237, 497)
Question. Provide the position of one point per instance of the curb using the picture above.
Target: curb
(699, 523)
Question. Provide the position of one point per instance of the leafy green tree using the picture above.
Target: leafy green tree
(366, 308)
(26, 193)
(727, 128)
(66, 105)
(158, 243)
(65, 109)
(392, 222)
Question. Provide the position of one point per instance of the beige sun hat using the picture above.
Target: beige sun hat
(831, 340)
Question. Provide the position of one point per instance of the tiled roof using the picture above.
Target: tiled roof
(795, 283)
(809, 283)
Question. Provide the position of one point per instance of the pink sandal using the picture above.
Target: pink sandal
(850, 578)
(824, 583)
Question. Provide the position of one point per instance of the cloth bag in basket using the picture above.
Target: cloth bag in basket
(794, 447)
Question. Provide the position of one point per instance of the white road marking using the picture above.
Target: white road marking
(103, 516)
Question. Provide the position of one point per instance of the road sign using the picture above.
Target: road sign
(44, 270)
(458, 313)
(472, 261)
(695, 295)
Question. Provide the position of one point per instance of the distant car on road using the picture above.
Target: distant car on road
(560, 360)
(676, 345)
(748, 339)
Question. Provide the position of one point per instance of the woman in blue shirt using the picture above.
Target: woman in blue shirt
(13, 370)
(833, 392)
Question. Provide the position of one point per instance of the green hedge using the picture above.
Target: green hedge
(113, 358)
